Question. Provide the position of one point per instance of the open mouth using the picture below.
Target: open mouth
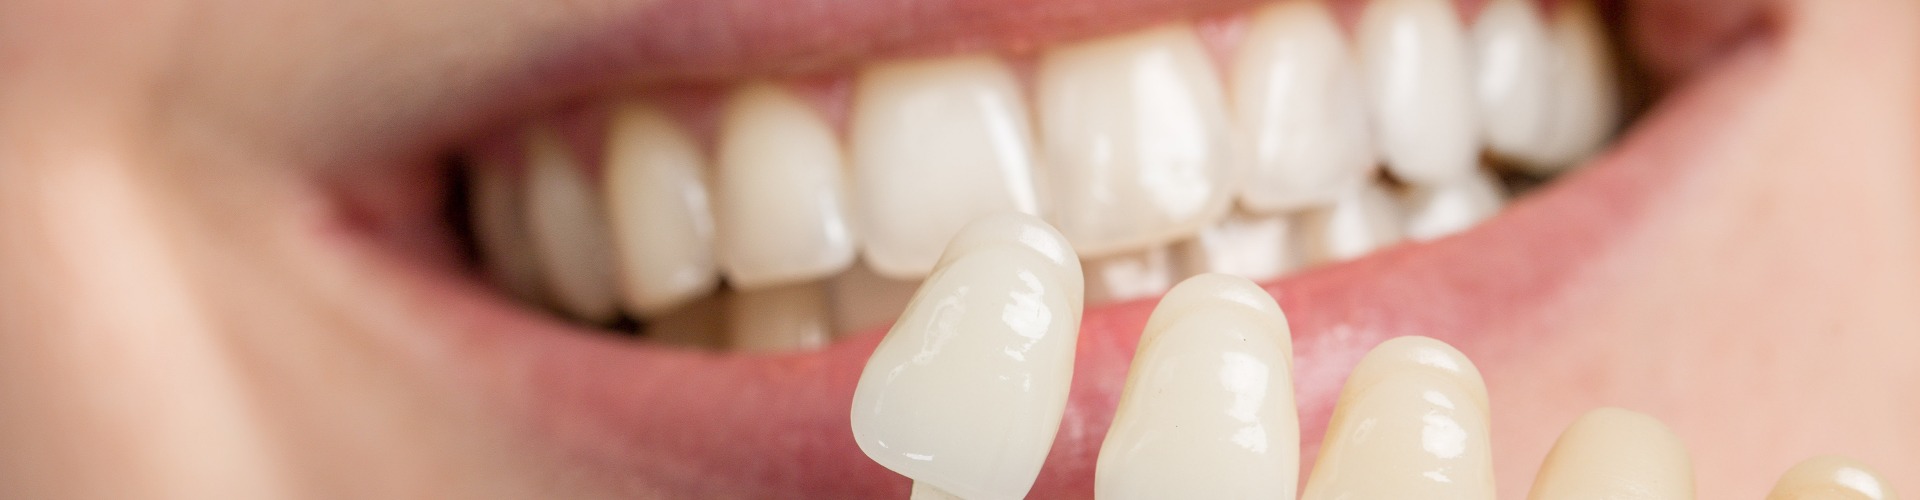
(673, 258)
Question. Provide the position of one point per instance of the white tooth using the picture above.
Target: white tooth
(1128, 276)
(569, 229)
(1442, 209)
(1411, 423)
(1586, 103)
(500, 225)
(1832, 478)
(1208, 407)
(1513, 67)
(1414, 54)
(1135, 133)
(936, 143)
(863, 300)
(779, 319)
(1256, 247)
(1302, 113)
(700, 324)
(1362, 221)
(779, 191)
(1615, 453)
(657, 199)
(965, 393)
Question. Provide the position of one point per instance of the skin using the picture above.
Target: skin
(178, 317)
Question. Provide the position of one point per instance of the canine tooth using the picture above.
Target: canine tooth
(779, 191)
(966, 391)
(1256, 247)
(500, 226)
(1415, 58)
(1208, 408)
(863, 299)
(1363, 220)
(1411, 423)
(569, 229)
(1586, 104)
(1832, 478)
(1135, 133)
(1438, 210)
(1615, 453)
(1513, 67)
(936, 143)
(1128, 276)
(657, 199)
(779, 319)
(1302, 113)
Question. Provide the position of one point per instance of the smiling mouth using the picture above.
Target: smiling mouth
(703, 232)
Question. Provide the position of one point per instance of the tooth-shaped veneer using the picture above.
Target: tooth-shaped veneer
(569, 228)
(779, 319)
(1442, 209)
(1411, 423)
(935, 144)
(1131, 275)
(1256, 247)
(1415, 58)
(657, 199)
(1208, 408)
(1615, 453)
(1832, 478)
(966, 391)
(1135, 133)
(500, 226)
(779, 191)
(1302, 113)
(1586, 102)
(1513, 67)
(864, 300)
(1360, 222)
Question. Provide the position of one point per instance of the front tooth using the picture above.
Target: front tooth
(1208, 407)
(1415, 57)
(1358, 223)
(966, 391)
(779, 319)
(500, 226)
(1256, 247)
(779, 191)
(1832, 478)
(569, 229)
(935, 144)
(1135, 132)
(657, 199)
(1411, 423)
(1301, 112)
(1587, 104)
(1442, 209)
(1615, 453)
(700, 324)
(863, 300)
(1128, 276)
(1512, 74)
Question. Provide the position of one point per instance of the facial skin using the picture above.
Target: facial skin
(183, 314)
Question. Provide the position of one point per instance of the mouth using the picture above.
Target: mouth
(676, 234)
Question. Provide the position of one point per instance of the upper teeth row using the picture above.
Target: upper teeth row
(1132, 141)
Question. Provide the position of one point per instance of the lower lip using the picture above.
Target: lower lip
(680, 423)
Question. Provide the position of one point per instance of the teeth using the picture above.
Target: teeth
(1301, 110)
(1513, 69)
(1256, 247)
(936, 143)
(1135, 131)
(1438, 210)
(1415, 58)
(1587, 100)
(779, 191)
(700, 324)
(500, 225)
(965, 393)
(1831, 478)
(657, 201)
(863, 300)
(1614, 453)
(1130, 276)
(779, 319)
(1411, 423)
(1359, 222)
(569, 230)
(1208, 407)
